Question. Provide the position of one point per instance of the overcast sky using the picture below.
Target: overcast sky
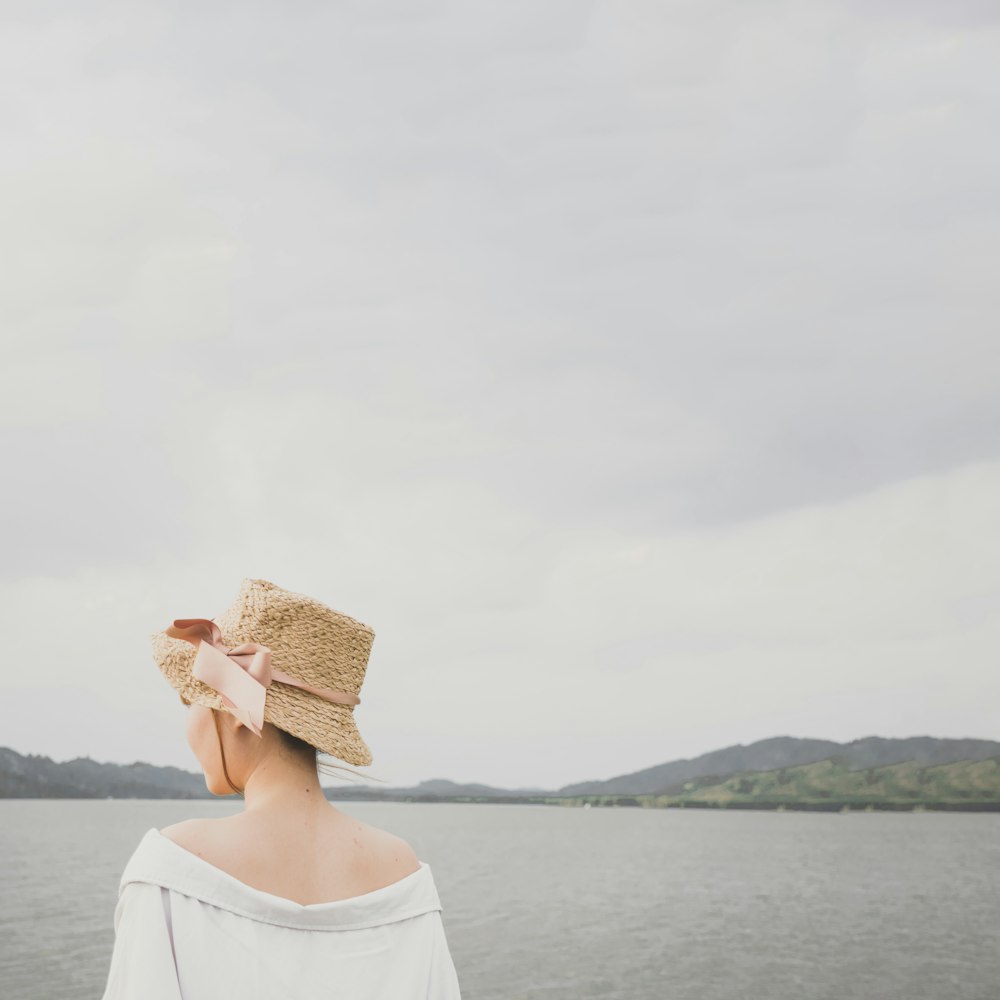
(630, 368)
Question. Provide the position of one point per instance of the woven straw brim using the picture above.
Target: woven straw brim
(326, 725)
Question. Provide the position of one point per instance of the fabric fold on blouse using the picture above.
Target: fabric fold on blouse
(186, 930)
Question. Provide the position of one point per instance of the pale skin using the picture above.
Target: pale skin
(288, 840)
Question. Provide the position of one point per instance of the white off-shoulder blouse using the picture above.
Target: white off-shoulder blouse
(186, 930)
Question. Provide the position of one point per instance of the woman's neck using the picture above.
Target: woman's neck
(284, 784)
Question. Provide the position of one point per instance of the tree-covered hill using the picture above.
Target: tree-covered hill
(784, 752)
(972, 785)
(33, 776)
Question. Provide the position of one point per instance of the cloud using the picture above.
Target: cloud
(576, 344)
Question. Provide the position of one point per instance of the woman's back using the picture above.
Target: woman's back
(308, 858)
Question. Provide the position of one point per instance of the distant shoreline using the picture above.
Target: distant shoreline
(643, 802)
(781, 773)
(576, 802)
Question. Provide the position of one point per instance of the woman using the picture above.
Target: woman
(289, 898)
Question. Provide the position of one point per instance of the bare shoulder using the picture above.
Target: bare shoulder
(393, 850)
(192, 834)
(219, 841)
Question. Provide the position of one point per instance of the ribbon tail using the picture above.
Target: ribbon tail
(195, 630)
(242, 693)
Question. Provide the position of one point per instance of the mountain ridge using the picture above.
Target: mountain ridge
(38, 776)
(776, 752)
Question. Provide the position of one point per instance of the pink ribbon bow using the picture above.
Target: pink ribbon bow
(241, 674)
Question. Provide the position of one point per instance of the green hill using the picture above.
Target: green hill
(787, 752)
(972, 785)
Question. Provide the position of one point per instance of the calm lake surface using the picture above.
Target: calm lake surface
(552, 902)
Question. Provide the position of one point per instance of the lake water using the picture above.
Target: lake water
(560, 903)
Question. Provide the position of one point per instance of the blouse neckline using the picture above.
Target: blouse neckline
(160, 861)
(396, 886)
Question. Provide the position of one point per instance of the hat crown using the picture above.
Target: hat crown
(307, 639)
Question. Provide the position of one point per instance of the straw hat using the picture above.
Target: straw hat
(291, 652)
